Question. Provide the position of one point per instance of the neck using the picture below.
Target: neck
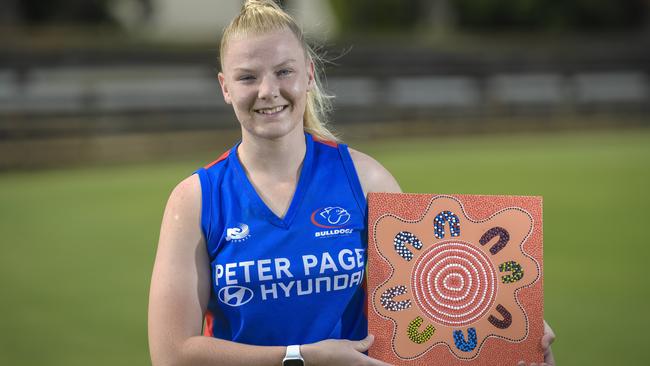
(280, 157)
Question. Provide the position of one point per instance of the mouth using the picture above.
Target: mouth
(271, 111)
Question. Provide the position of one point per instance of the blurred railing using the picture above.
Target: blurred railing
(371, 85)
(371, 78)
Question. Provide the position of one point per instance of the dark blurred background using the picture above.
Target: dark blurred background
(132, 71)
(105, 105)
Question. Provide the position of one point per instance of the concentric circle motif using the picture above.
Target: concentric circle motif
(454, 283)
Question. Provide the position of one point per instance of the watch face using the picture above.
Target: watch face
(293, 363)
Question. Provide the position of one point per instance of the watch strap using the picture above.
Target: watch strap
(293, 356)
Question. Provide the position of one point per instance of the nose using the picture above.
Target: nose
(269, 88)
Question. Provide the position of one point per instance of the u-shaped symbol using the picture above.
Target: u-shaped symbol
(415, 335)
(517, 273)
(504, 237)
(391, 305)
(465, 345)
(439, 224)
(501, 323)
(400, 241)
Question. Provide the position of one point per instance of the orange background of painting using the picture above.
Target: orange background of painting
(494, 351)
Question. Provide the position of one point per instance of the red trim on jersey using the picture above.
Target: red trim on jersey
(209, 322)
(222, 157)
(326, 142)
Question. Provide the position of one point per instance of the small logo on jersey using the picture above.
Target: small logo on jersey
(235, 295)
(237, 234)
(332, 218)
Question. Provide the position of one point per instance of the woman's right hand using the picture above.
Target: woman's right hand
(339, 352)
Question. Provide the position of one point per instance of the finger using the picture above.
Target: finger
(375, 362)
(548, 337)
(364, 344)
(549, 358)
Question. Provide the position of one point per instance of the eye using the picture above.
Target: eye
(246, 78)
(285, 72)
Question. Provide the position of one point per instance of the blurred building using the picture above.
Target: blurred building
(74, 95)
(203, 20)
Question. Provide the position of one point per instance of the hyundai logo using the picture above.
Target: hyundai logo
(235, 295)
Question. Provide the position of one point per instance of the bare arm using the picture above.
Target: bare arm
(180, 288)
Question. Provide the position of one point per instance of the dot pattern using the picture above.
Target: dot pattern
(454, 283)
(504, 237)
(415, 335)
(400, 241)
(514, 267)
(501, 323)
(391, 305)
(490, 237)
(462, 344)
(439, 224)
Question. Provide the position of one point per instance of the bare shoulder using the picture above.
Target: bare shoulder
(187, 192)
(373, 176)
(183, 210)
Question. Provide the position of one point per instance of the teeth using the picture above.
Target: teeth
(270, 110)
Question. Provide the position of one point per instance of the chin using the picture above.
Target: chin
(273, 131)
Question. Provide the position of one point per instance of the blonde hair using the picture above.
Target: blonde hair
(260, 16)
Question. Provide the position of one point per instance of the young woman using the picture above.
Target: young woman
(281, 214)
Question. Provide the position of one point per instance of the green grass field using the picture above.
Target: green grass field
(78, 245)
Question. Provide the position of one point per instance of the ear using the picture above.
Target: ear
(310, 76)
(224, 88)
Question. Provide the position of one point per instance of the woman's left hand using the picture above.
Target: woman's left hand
(547, 339)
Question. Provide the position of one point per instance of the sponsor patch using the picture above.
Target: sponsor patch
(238, 233)
(334, 219)
(235, 295)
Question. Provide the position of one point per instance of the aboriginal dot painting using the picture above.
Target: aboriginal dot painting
(455, 280)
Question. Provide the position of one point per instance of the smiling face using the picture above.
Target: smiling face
(266, 78)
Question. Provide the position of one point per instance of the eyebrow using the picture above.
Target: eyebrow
(242, 69)
(283, 63)
(286, 62)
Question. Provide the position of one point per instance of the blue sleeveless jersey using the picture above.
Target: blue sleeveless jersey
(292, 280)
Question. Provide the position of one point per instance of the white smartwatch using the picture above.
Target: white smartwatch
(293, 357)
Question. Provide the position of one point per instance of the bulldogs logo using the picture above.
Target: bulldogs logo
(330, 217)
